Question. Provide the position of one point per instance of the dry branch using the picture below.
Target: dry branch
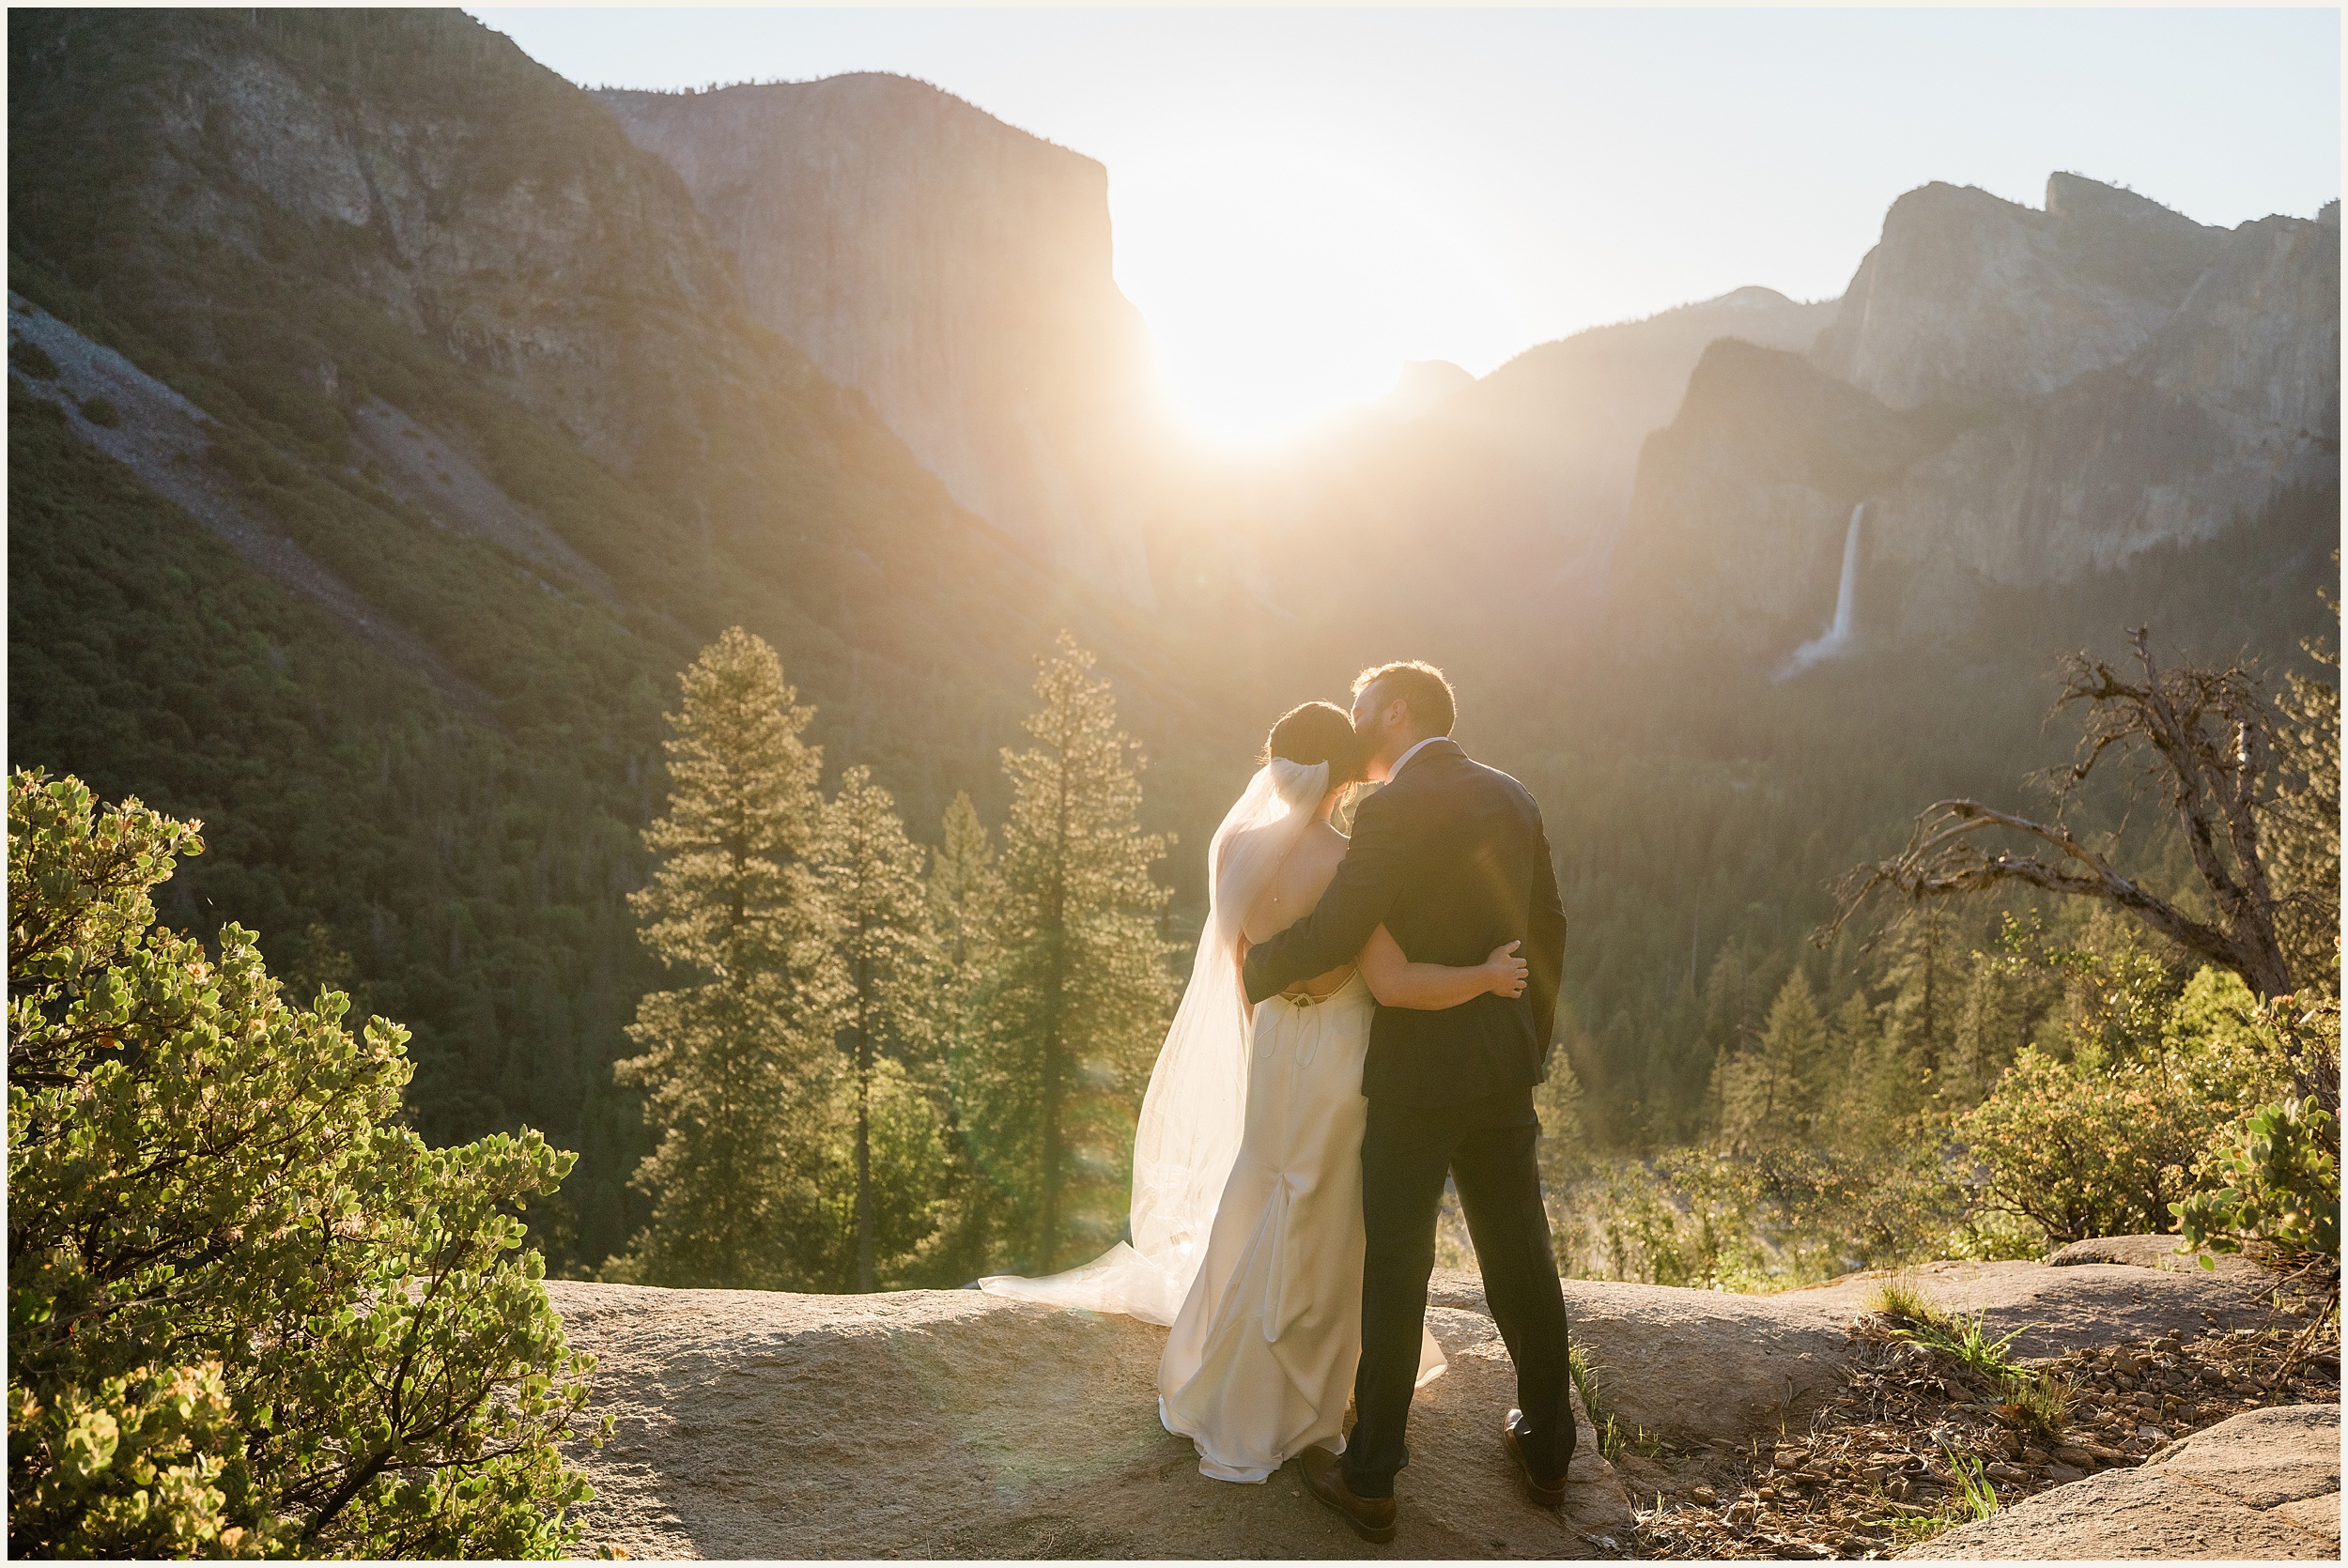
(2205, 737)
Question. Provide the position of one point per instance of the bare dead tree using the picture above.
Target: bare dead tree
(2203, 737)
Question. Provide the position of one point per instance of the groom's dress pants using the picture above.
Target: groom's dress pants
(1487, 1148)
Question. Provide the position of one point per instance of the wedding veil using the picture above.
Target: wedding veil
(1196, 1105)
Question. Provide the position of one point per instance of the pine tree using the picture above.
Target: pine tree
(1769, 1095)
(872, 879)
(1070, 1012)
(738, 1065)
(1920, 966)
(962, 881)
(964, 884)
(1565, 1148)
(1870, 1091)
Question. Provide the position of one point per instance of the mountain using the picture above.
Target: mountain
(1969, 296)
(1743, 500)
(390, 420)
(953, 270)
(401, 430)
(2014, 402)
(956, 272)
(1577, 409)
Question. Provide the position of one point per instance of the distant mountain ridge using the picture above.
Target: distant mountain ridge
(2086, 380)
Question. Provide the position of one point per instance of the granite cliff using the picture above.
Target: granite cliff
(1969, 296)
(952, 269)
(2021, 401)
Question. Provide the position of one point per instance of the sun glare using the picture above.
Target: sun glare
(1281, 287)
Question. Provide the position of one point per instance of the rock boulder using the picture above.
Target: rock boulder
(2263, 1485)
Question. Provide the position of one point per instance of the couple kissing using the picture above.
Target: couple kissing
(1366, 1018)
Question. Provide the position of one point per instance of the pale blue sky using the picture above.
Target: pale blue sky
(1304, 199)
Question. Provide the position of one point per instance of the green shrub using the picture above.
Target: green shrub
(249, 1313)
(101, 411)
(2105, 1143)
(2281, 1176)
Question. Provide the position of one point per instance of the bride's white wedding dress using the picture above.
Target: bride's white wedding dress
(1261, 1361)
(1246, 1220)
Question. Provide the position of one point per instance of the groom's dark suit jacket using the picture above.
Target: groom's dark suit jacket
(1450, 857)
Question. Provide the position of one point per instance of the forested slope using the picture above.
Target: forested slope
(291, 218)
(476, 357)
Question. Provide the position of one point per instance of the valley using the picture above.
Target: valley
(411, 416)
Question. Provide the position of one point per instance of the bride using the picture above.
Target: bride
(1246, 1219)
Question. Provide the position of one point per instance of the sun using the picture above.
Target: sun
(1281, 287)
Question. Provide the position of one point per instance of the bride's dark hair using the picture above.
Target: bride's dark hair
(1318, 733)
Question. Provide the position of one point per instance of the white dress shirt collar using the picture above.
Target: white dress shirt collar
(1402, 761)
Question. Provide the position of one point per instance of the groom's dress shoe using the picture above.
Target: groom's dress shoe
(1548, 1494)
(1372, 1518)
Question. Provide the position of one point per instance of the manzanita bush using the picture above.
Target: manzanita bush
(2275, 1179)
(2282, 1186)
(250, 1314)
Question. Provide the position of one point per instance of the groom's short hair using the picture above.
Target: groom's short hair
(1421, 685)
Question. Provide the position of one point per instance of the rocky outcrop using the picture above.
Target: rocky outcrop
(2150, 1251)
(952, 1424)
(2264, 1485)
(952, 269)
(1707, 1366)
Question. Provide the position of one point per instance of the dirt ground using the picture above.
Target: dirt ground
(1871, 1471)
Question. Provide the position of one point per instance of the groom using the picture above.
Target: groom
(1450, 857)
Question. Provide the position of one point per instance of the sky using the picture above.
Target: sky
(1305, 200)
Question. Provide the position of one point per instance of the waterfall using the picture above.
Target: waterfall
(1835, 640)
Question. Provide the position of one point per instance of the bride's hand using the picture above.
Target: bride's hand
(1507, 970)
